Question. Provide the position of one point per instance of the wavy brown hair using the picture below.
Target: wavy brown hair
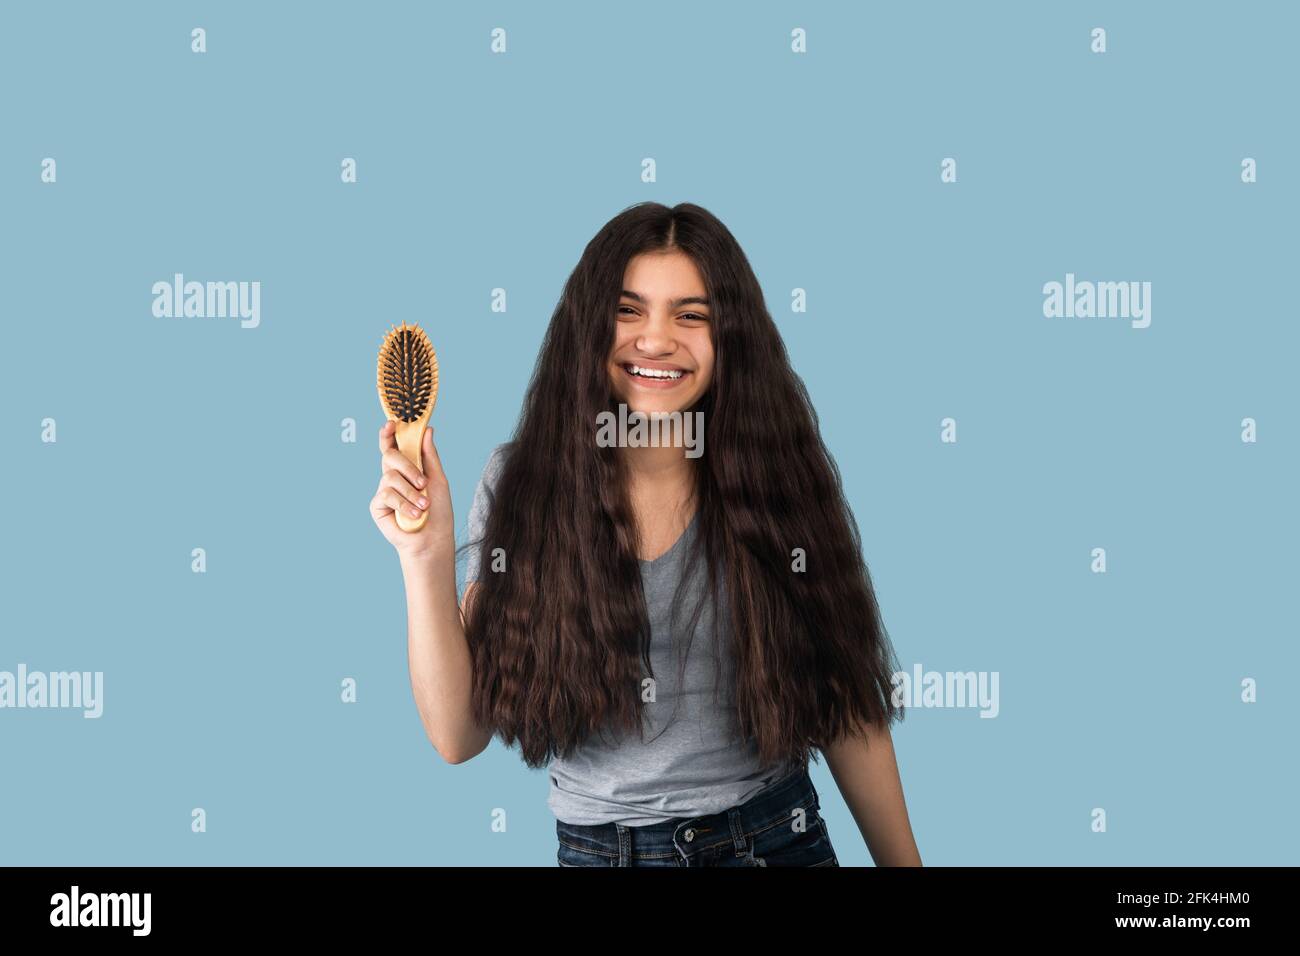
(559, 639)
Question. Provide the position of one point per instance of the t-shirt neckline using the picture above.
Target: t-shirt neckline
(653, 562)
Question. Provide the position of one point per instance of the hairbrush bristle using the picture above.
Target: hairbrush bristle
(408, 373)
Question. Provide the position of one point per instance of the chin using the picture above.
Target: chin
(656, 408)
(655, 404)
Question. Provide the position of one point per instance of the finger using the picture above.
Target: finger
(432, 463)
(394, 500)
(398, 482)
(386, 520)
(387, 436)
(394, 460)
(378, 509)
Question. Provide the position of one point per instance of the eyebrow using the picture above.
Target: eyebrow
(673, 304)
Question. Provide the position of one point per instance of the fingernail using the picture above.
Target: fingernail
(422, 502)
(415, 512)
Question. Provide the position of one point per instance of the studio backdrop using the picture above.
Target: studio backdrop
(1033, 261)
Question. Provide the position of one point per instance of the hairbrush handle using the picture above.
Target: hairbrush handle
(410, 436)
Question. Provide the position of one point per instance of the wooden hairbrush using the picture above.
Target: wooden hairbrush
(408, 389)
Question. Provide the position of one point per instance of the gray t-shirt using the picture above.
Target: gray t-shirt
(690, 761)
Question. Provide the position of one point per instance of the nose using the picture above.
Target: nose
(655, 336)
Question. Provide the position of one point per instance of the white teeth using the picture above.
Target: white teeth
(655, 372)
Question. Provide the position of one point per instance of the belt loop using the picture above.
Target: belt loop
(737, 829)
(624, 845)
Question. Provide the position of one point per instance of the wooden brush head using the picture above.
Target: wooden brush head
(408, 374)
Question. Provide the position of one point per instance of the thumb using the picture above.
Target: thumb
(432, 464)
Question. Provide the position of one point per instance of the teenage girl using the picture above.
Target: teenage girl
(673, 629)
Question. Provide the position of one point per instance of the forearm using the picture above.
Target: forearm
(438, 657)
(866, 772)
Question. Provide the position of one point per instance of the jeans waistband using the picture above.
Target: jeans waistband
(773, 806)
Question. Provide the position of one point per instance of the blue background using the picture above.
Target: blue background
(476, 171)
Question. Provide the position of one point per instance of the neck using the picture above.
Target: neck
(659, 476)
(657, 463)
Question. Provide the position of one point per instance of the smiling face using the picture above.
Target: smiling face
(662, 360)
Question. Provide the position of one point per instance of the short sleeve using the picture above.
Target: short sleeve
(478, 512)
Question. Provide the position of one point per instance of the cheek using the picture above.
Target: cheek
(622, 338)
(705, 361)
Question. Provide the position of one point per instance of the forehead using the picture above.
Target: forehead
(652, 277)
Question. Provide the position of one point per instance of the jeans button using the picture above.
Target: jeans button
(690, 835)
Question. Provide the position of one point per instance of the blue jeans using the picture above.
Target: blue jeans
(779, 826)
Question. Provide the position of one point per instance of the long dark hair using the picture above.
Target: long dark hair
(559, 639)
